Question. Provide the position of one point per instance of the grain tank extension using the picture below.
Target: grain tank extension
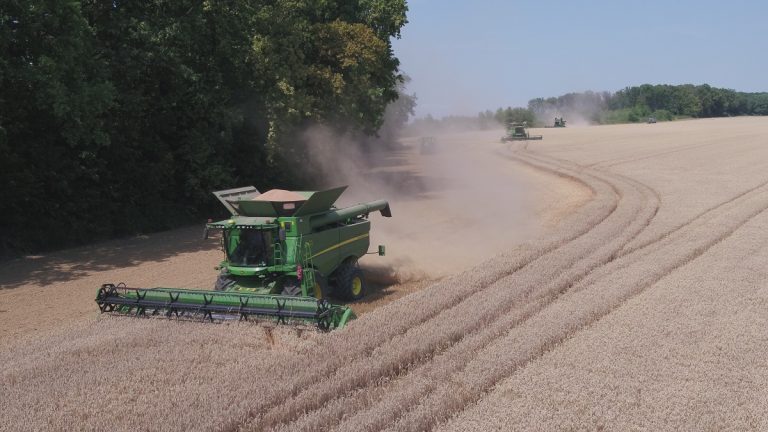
(285, 253)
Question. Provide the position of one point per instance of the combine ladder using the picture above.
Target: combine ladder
(308, 280)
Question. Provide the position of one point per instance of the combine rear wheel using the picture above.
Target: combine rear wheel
(349, 280)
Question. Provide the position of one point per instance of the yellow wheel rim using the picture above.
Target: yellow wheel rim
(357, 286)
(318, 291)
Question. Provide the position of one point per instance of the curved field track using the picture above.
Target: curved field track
(646, 307)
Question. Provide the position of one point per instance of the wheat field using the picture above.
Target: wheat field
(643, 308)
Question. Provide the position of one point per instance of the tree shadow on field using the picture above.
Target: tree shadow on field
(388, 176)
(72, 264)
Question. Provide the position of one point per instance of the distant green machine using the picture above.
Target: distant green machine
(559, 122)
(285, 252)
(519, 132)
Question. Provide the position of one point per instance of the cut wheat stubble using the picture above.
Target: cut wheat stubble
(615, 248)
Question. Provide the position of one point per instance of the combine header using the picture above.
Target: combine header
(285, 252)
(519, 132)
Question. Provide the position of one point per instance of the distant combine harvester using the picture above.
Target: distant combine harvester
(519, 132)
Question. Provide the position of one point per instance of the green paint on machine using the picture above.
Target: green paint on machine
(285, 253)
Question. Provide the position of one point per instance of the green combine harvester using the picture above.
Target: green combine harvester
(519, 132)
(285, 253)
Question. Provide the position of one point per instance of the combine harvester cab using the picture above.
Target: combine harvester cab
(285, 252)
(519, 132)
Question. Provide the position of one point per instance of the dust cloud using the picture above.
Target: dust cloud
(578, 109)
(573, 117)
(454, 203)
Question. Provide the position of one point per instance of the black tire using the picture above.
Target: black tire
(350, 284)
(223, 282)
(291, 287)
(320, 290)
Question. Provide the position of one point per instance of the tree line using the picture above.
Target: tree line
(633, 104)
(120, 117)
(665, 102)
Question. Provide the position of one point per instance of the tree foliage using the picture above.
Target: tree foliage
(120, 117)
(664, 102)
(514, 115)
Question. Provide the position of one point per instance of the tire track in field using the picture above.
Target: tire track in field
(757, 206)
(456, 359)
(607, 163)
(345, 381)
(535, 296)
(629, 159)
(391, 322)
(629, 249)
(393, 408)
(699, 217)
(663, 235)
(578, 309)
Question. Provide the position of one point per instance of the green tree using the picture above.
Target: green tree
(55, 94)
(122, 116)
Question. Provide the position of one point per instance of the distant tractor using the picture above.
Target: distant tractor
(559, 122)
(519, 132)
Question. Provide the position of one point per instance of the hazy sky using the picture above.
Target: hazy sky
(468, 56)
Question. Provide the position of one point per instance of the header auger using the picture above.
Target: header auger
(285, 253)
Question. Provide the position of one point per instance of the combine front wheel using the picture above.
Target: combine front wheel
(291, 287)
(320, 287)
(223, 282)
